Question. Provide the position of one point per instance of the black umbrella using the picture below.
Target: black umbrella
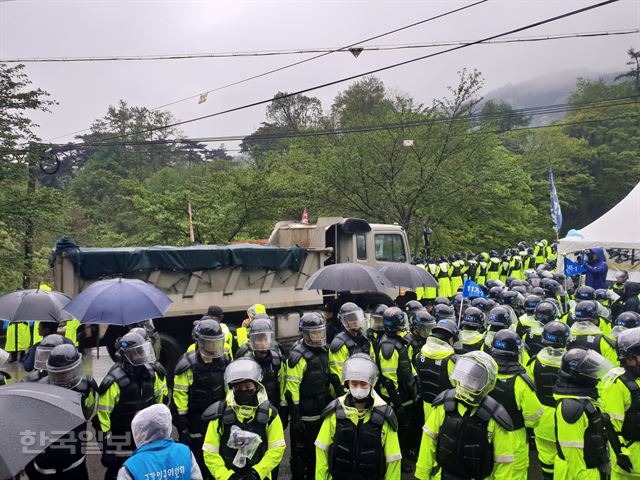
(34, 305)
(32, 417)
(409, 276)
(342, 277)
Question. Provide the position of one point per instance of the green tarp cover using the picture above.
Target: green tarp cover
(94, 263)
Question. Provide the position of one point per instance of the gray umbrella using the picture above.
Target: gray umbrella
(32, 417)
(409, 276)
(343, 277)
(34, 305)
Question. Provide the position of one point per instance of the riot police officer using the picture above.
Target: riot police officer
(65, 459)
(515, 391)
(308, 391)
(625, 321)
(526, 319)
(621, 401)
(586, 334)
(199, 382)
(468, 434)
(543, 369)
(346, 343)
(581, 437)
(544, 313)
(42, 352)
(420, 325)
(397, 383)
(471, 331)
(134, 383)
(376, 327)
(359, 437)
(244, 439)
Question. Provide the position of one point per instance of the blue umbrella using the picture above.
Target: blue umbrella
(118, 301)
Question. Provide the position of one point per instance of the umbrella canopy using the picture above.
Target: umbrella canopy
(118, 301)
(32, 417)
(342, 277)
(34, 305)
(409, 276)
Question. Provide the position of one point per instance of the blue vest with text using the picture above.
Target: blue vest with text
(160, 459)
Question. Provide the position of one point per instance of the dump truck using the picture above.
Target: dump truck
(235, 276)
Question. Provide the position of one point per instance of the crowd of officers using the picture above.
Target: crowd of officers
(466, 388)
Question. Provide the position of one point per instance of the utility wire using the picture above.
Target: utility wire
(300, 62)
(272, 53)
(531, 111)
(370, 72)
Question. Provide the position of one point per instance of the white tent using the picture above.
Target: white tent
(618, 231)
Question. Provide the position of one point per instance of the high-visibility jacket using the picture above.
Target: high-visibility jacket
(23, 332)
(389, 439)
(618, 401)
(228, 342)
(457, 271)
(341, 348)
(432, 292)
(501, 439)
(273, 445)
(444, 280)
(71, 331)
(493, 269)
(420, 290)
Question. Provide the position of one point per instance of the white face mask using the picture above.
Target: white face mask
(360, 393)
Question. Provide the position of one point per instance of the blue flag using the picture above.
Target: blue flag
(471, 289)
(556, 212)
(572, 268)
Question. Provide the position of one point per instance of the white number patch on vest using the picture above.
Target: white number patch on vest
(439, 362)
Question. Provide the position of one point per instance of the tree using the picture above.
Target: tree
(365, 99)
(502, 114)
(634, 72)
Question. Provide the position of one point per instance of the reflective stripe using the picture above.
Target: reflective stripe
(388, 369)
(180, 387)
(426, 430)
(210, 448)
(321, 445)
(394, 458)
(535, 416)
(183, 412)
(333, 362)
(195, 435)
(277, 443)
(53, 471)
(572, 444)
(105, 408)
(408, 402)
(311, 418)
(158, 392)
(293, 377)
(615, 416)
(503, 458)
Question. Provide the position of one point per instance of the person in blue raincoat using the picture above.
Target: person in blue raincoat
(597, 269)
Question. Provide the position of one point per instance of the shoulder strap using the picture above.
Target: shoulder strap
(387, 347)
(160, 370)
(295, 355)
(214, 411)
(276, 359)
(384, 412)
(528, 381)
(630, 383)
(337, 343)
(265, 413)
(490, 408)
(572, 409)
(242, 351)
(333, 405)
(115, 375)
(185, 362)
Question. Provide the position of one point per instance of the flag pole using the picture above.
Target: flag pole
(460, 313)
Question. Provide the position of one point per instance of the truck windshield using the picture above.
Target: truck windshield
(389, 247)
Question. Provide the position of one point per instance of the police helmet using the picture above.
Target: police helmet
(628, 319)
(242, 370)
(555, 334)
(375, 317)
(499, 317)
(394, 319)
(473, 319)
(512, 298)
(413, 306)
(584, 293)
(442, 311)
(545, 312)
(506, 344)
(583, 367)
(351, 316)
(64, 366)
(440, 300)
(135, 349)
(261, 337)
(423, 322)
(313, 327)
(587, 310)
(496, 292)
(601, 294)
(628, 343)
(481, 304)
(210, 338)
(537, 291)
(622, 276)
(216, 312)
(43, 350)
(494, 282)
(445, 329)
(474, 376)
(521, 289)
(531, 302)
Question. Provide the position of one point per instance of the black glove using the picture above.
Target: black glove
(107, 459)
(624, 462)
(184, 437)
(250, 475)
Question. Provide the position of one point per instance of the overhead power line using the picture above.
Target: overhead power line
(303, 51)
(306, 60)
(530, 111)
(371, 72)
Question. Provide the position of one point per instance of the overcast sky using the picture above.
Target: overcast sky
(54, 28)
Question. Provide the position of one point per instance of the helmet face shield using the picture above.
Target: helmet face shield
(4, 356)
(242, 370)
(376, 322)
(211, 346)
(352, 320)
(41, 357)
(474, 377)
(629, 342)
(315, 337)
(67, 377)
(424, 329)
(594, 365)
(140, 354)
(261, 341)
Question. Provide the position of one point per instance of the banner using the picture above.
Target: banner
(471, 289)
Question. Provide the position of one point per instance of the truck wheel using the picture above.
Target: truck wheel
(169, 354)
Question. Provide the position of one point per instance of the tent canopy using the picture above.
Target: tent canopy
(619, 228)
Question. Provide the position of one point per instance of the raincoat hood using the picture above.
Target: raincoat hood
(151, 424)
(599, 253)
